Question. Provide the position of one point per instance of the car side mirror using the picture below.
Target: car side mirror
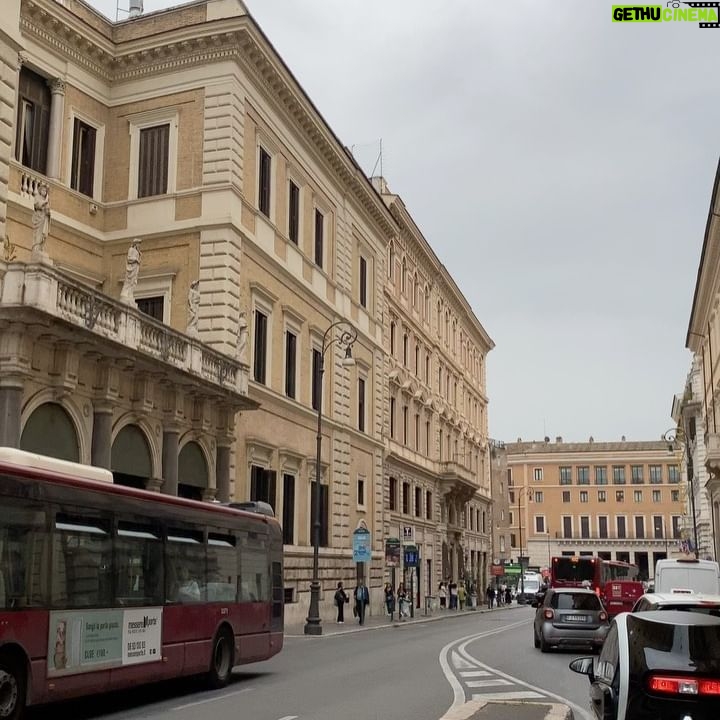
(583, 666)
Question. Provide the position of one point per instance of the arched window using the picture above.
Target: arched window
(50, 431)
(130, 458)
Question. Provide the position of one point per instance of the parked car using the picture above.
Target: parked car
(570, 617)
(694, 602)
(656, 666)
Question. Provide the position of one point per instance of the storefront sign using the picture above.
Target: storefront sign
(392, 552)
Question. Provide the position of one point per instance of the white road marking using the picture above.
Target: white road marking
(289, 717)
(474, 673)
(212, 699)
(488, 683)
(459, 662)
(517, 695)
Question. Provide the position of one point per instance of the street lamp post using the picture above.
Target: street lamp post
(345, 337)
(677, 435)
(520, 556)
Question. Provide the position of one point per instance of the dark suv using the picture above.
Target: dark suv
(656, 666)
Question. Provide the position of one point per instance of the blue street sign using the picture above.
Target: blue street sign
(411, 556)
(362, 545)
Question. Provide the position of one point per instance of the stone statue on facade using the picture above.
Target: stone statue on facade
(132, 270)
(193, 307)
(241, 353)
(40, 222)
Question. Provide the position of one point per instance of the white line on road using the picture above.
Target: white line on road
(212, 699)
(488, 683)
(289, 717)
(517, 695)
(474, 673)
(460, 663)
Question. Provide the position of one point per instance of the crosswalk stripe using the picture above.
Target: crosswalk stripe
(475, 673)
(488, 683)
(460, 663)
(517, 695)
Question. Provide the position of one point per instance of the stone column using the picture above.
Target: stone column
(170, 455)
(101, 451)
(11, 393)
(222, 473)
(57, 110)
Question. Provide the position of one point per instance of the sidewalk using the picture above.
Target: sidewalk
(473, 710)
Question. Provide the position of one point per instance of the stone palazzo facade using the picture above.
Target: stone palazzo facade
(184, 237)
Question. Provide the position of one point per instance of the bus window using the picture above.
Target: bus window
(185, 566)
(23, 556)
(82, 557)
(138, 564)
(222, 563)
(254, 569)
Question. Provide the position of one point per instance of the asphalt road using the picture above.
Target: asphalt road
(410, 672)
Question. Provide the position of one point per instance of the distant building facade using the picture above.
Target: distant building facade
(617, 500)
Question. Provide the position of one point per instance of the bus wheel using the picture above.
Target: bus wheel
(221, 663)
(12, 688)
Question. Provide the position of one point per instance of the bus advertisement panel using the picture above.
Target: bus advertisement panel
(105, 587)
(616, 583)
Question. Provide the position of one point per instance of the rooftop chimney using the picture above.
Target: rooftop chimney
(135, 8)
(558, 439)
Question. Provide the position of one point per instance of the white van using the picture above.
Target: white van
(691, 575)
(530, 586)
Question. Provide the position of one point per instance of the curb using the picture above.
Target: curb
(557, 711)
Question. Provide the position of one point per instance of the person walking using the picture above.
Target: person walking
(442, 594)
(362, 599)
(341, 597)
(389, 600)
(453, 595)
(402, 601)
(461, 595)
(490, 595)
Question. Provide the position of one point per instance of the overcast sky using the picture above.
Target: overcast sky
(559, 164)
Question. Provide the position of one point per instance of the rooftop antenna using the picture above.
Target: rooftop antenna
(134, 9)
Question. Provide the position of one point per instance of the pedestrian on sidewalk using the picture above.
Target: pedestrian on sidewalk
(508, 596)
(453, 595)
(461, 594)
(402, 601)
(490, 595)
(389, 600)
(341, 597)
(362, 599)
(442, 594)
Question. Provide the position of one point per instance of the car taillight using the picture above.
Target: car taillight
(603, 616)
(683, 685)
(549, 614)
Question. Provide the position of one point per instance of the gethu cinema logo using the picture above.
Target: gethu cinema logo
(658, 13)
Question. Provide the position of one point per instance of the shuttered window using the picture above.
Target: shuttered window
(82, 176)
(33, 121)
(153, 160)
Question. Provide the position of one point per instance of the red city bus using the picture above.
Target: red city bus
(616, 583)
(105, 587)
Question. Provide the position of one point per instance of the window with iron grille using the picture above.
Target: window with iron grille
(153, 160)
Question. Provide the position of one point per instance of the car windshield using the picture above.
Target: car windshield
(705, 609)
(575, 601)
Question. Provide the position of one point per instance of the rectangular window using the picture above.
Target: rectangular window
(319, 238)
(405, 425)
(293, 212)
(618, 474)
(538, 496)
(153, 160)
(324, 508)
(428, 505)
(538, 474)
(583, 496)
(675, 495)
(619, 496)
(260, 351)
(676, 526)
(427, 368)
(264, 180)
(603, 526)
(288, 514)
(566, 496)
(417, 432)
(655, 474)
(584, 526)
(427, 439)
(316, 379)
(405, 350)
(566, 475)
(139, 564)
(583, 475)
(602, 495)
(657, 496)
(567, 526)
(658, 527)
(290, 363)
(539, 524)
(152, 306)
(418, 502)
(637, 474)
(392, 490)
(361, 404)
(639, 527)
(262, 485)
(363, 281)
(406, 498)
(509, 477)
(638, 496)
(601, 475)
(33, 121)
(361, 491)
(392, 417)
(621, 529)
(673, 474)
(82, 173)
